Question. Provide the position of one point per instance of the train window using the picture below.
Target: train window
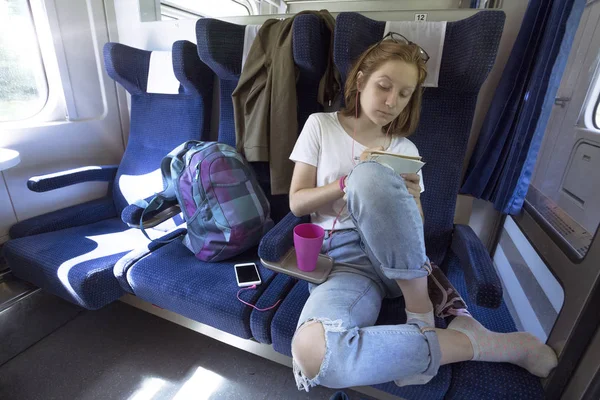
(563, 191)
(23, 85)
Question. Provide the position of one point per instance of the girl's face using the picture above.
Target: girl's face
(387, 91)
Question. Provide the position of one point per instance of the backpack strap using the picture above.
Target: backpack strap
(174, 156)
(167, 195)
(156, 203)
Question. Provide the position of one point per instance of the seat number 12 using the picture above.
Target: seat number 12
(421, 17)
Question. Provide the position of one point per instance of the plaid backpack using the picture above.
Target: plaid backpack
(224, 206)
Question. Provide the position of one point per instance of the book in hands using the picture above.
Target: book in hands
(400, 163)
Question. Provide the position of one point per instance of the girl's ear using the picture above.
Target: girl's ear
(360, 77)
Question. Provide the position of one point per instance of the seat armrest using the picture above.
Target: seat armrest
(45, 183)
(483, 283)
(260, 321)
(276, 243)
(132, 213)
(78, 215)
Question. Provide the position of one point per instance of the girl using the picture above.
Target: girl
(374, 232)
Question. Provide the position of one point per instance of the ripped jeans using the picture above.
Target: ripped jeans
(387, 245)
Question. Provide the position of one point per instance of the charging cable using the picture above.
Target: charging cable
(252, 305)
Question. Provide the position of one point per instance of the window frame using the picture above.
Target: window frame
(176, 11)
(592, 102)
(596, 114)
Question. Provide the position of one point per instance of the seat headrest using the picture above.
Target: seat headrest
(465, 61)
(311, 59)
(220, 46)
(141, 71)
(195, 76)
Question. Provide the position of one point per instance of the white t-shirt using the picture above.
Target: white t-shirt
(325, 144)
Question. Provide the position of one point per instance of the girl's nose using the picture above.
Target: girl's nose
(391, 101)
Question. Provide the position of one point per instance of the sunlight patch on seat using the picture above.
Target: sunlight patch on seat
(148, 389)
(136, 187)
(107, 245)
(200, 386)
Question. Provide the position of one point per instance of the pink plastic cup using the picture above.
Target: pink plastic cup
(308, 239)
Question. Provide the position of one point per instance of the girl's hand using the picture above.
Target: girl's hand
(412, 184)
(367, 153)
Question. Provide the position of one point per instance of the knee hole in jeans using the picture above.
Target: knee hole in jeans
(308, 348)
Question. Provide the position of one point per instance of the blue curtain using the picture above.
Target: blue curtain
(504, 158)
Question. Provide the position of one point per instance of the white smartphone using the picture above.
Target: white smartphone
(247, 274)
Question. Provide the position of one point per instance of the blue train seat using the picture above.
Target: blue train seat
(447, 111)
(170, 276)
(71, 252)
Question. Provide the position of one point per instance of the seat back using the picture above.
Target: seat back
(220, 46)
(447, 111)
(161, 117)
